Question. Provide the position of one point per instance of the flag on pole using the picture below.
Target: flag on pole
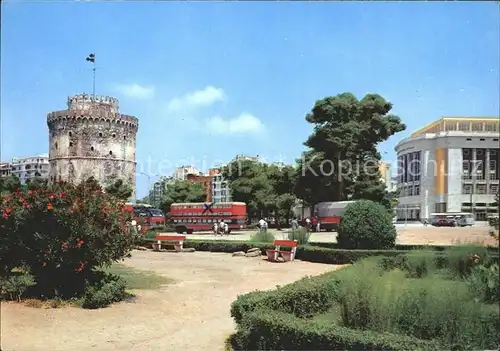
(91, 58)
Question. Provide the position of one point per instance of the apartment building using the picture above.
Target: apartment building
(221, 191)
(451, 165)
(5, 169)
(30, 167)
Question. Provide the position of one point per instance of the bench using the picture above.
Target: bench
(176, 240)
(273, 255)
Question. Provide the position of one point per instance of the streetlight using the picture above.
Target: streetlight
(149, 184)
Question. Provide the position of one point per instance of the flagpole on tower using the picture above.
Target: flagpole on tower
(91, 58)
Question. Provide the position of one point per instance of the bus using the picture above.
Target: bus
(329, 214)
(146, 215)
(200, 216)
(452, 219)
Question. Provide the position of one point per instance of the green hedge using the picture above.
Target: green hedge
(310, 253)
(274, 330)
(303, 298)
(403, 247)
(306, 253)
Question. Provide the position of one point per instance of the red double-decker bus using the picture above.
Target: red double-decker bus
(190, 217)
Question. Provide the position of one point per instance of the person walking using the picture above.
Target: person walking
(308, 224)
(294, 224)
(262, 222)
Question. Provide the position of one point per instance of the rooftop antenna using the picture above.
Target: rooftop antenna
(91, 58)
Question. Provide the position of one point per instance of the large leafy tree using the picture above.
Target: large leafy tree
(267, 189)
(342, 160)
(182, 191)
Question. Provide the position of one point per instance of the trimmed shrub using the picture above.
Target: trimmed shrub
(107, 289)
(304, 298)
(366, 225)
(274, 330)
(300, 234)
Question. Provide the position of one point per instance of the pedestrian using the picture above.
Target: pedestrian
(308, 224)
(295, 224)
(318, 227)
(261, 224)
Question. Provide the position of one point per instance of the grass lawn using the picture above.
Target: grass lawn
(139, 279)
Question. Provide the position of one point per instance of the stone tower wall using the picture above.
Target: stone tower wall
(92, 138)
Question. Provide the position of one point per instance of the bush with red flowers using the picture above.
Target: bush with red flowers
(61, 234)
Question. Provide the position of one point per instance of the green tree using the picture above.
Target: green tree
(144, 200)
(249, 183)
(182, 191)
(267, 189)
(120, 189)
(342, 160)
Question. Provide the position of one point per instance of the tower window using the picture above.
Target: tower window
(91, 148)
(70, 144)
(124, 137)
(70, 133)
(113, 135)
(56, 145)
(100, 134)
(110, 152)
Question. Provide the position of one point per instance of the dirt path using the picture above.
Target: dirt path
(191, 314)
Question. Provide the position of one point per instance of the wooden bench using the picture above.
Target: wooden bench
(163, 239)
(273, 255)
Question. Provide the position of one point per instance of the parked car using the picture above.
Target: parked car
(449, 222)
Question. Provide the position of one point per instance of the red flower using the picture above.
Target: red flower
(64, 246)
(80, 267)
(7, 210)
(51, 197)
(30, 192)
(44, 264)
(5, 215)
(26, 206)
(80, 243)
(50, 207)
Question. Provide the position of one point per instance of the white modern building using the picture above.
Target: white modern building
(451, 165)
(30, 167)
(220, 189)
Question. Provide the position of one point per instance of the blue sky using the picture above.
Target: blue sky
(211, 80)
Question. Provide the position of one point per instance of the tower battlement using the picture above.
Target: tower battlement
(91, 138)
(87, 102)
